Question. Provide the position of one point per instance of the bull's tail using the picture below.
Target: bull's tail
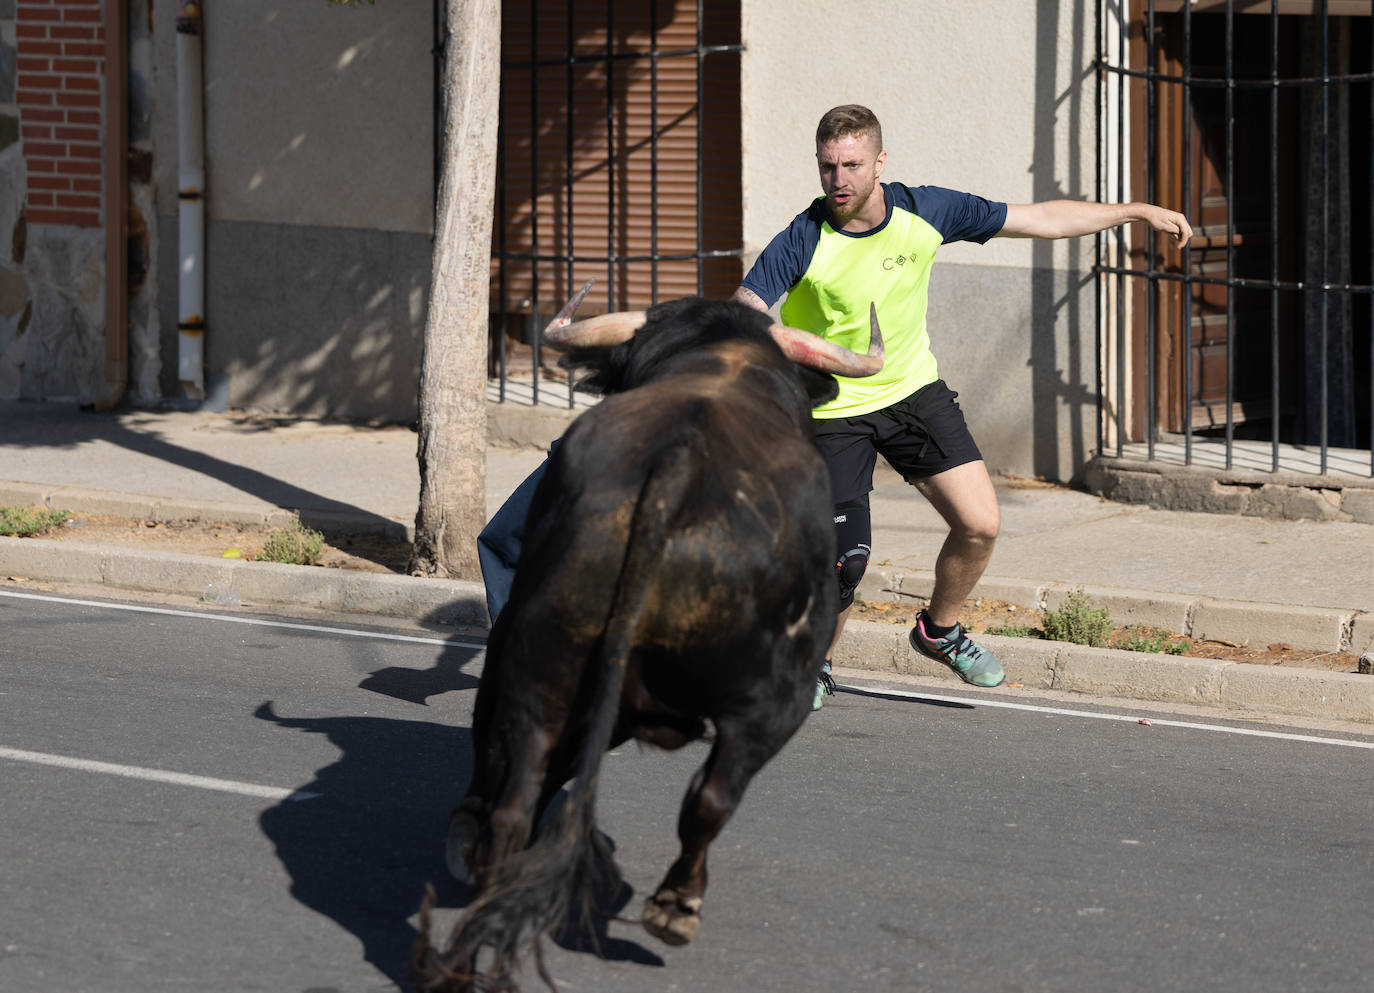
(557, 880)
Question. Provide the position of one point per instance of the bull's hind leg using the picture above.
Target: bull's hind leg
(497, 818)
(468, 822)
(673, 913)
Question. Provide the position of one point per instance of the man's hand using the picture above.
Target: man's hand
(1170, 222)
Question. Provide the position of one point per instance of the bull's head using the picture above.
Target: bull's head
(802, 347)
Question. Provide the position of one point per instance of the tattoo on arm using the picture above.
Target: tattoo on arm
(749, 298)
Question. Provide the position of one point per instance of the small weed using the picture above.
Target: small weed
(1152, 640)
(1079, 622)
(1017, 631)
(296, 545)
(25, 522)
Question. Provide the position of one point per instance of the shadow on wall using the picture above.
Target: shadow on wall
(1064, 394)
(319, 322)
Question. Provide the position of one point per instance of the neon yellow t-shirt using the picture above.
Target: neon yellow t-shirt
(830, 278)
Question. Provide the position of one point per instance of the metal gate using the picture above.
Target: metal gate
(1253, 344)
(618, 160)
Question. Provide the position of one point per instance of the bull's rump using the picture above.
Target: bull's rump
(748, 558)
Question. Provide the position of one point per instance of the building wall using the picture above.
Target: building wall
(993, 98)
(51, 207)
(319, 158)
(319, 198)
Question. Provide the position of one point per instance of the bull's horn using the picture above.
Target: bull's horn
(607, 329)
(811, 350)
(564, 317)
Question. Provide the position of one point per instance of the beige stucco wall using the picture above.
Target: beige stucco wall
(315, 114)
(319, 150)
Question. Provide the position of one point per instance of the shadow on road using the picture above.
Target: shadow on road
(363, 849)
(418, 685)
(59, 427)
(879, 694)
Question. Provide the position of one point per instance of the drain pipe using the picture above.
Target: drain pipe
(191, 197)
(116, 206)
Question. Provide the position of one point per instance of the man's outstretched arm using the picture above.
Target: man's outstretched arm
(1074, 218)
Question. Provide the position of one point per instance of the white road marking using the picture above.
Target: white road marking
(321, 629)
(184, 779)
(157, 775)
(871, 691)
(1132, 718)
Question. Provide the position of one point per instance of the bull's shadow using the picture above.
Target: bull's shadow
(363, 850)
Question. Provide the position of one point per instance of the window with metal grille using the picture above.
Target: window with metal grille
(1254, 118)
(619, 160)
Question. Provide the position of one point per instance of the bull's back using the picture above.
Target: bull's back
(749, 533)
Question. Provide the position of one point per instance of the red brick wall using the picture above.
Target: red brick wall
(61, 63)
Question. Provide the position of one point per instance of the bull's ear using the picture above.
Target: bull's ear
(820, 386)
(605, 363)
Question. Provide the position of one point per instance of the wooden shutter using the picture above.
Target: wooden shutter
(583, 95)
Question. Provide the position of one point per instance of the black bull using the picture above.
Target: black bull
(677, 577)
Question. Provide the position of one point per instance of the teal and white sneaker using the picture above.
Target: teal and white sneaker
(825, 686)
(972, 664)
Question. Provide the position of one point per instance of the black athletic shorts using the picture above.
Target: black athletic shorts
(920, 436)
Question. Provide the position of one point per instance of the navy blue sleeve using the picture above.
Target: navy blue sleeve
(957, 216)
(786, 257)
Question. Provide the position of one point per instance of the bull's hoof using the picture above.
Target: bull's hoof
(460, 845)
(670, 919)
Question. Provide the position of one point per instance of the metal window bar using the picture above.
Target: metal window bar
(1098, 168)
(1151, 322)
(612, 259)
(1326, 208)
(1186, 318)
(1107, 72)
(1230, 236)
(1274, 357)
(1123, 41)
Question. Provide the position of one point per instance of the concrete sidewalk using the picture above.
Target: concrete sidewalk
(1209, 576)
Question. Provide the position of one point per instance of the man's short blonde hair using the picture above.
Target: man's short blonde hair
(846, 120)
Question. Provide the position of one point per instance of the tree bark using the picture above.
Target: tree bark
(452, 401)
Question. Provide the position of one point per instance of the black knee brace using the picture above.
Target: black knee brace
(853, 537)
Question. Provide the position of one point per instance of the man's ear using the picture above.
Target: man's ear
(878, 164)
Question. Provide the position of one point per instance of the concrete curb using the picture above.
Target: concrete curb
(871, 646)
(1319, 629)
(233, 583)
(1284, 494)
(868, 646)
(153, 508)
(513, 425)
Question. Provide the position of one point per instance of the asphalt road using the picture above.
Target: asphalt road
(898, 843)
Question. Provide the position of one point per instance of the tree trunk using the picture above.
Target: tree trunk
(453, 414)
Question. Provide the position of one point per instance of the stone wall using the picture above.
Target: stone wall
(53, 92)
